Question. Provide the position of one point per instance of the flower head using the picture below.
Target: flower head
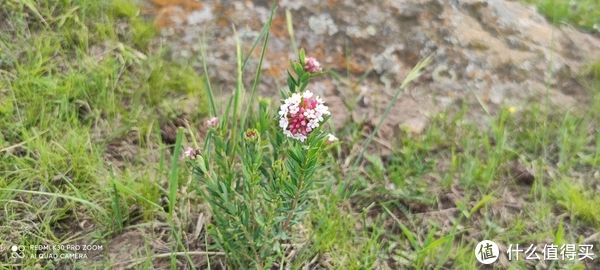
(212, 122)
(190, 153)
(312, 65)
(251, 135)
(300, 114)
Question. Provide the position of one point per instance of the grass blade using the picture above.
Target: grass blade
(31, 6)
(412, 75)
(290, 27)
(120, 187)
(66, 197)
(174, 173)
(251, 102)
(173, 186)
(208, 87)
(116, 205)
(237, 95)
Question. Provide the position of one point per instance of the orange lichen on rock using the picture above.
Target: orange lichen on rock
(186, 4)
(168, 16)
(223, 14)
(279, 27)
(170, 12)
(278, 64)
(332, 3)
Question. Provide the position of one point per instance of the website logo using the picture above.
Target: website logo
(487, 252)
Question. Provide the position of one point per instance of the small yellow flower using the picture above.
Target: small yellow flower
(512, 109)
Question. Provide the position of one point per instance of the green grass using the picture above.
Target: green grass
(73, 84)
(577, 202)
(581, 13)
(75, 89)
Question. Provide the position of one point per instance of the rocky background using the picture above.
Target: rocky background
(486, 53)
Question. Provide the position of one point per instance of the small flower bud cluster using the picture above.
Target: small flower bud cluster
(312, 65)
(212, 122)
(190, 153)
(251, 135)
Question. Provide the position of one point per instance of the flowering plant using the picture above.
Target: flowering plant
(256, 176)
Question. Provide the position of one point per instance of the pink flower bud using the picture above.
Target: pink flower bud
(212, 122)
(312, 65)
(190, 153)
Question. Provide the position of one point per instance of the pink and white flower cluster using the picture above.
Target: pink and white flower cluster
(300, 114)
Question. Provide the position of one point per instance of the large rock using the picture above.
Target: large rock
(489, 53)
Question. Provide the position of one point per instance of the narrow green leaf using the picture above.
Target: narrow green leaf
(302, 56)
(251, 101)
(116, 206)
(481, 203)
(208, 87)
(57, 195)
(414, 74)
(174, 173)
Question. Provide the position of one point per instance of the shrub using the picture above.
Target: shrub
(257, 182)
